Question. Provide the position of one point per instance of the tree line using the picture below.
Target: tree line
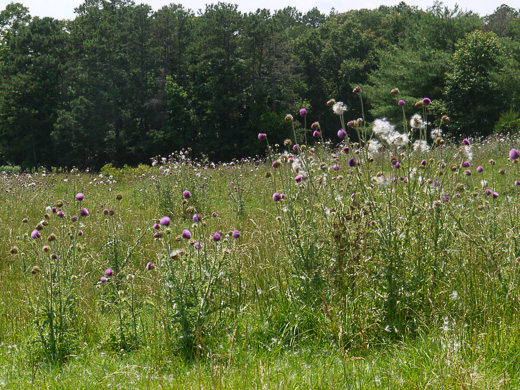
(121, 83)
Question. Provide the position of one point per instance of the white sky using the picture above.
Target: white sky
(64, 9)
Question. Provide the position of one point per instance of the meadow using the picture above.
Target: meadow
(380, 263)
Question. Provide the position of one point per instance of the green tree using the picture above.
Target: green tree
(473, 95)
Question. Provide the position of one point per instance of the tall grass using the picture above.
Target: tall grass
(380, 262)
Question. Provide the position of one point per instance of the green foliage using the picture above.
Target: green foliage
(508, 123)
(473, 96)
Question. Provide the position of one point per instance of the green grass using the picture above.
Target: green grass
(346, 285)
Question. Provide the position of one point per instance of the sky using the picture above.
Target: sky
(64, 9)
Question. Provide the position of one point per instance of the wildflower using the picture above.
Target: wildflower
(214, 215)
(35, 234)
(352, 163)
(401, 103)
(514, 155)
(492, 162)
(186, 194)
(165, 221)
(488, 192)
(216, 236)
(316, 134)
(420, 146)
(289, 118)
(436, 134)
(342, 133)
(287, 143)
(186, 234)
(109, 272)
(276, 164)
(346, 149)
(398, 139)
(303, 112)
(150, 266)
(60, 214)
(84, 212)
(197, 245)
(276, 197)
(197, 218)
(315, 126)
(465, 141)
(36, 270)
(236, 234)
(335, 167)
(54, 256)
(466, 164)
(103, 279)
(80, 196)
(105, 211)
(495, 195)
(298, 179)
(426, 101)
(480, 169)
(295, 148)
(156, 226)
(339, 108)
(80, 233)
(74, 218)
(262, 136)
(357, 90)
(158, 235)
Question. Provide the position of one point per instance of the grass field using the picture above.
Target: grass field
(327, 266)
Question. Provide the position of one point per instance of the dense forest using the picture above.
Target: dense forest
(121, 83)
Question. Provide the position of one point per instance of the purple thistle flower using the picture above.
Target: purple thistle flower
(60, 214)
(214, 215)
(150, 266)
(216, 236)
(277, 196)
(165, 221)
(298, 178)
(335, 167)
(109, 272)
(466, 164)
(346, 149)
(103, 279)
(84, 213)
(197, 245)
(316, 134)
(74, 218)
(276, 164)
(262, 136)
(488, 192)
(423, 163)
(517, 183)
(351, 124)
(35, 234)
(54, 210)
(186, 194)
(197, 218)
(426, 101)
(495, 195)
(480, 169)
(352, 163)
(465, 141)
(80, 196)
(303, 112)
(397, 165)
(156, 226)
(401, 103)
(186, 234)
(446, 198)
(80, 233)
(342, 133)
(236, 234)
(513, 154)
(296, 147)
